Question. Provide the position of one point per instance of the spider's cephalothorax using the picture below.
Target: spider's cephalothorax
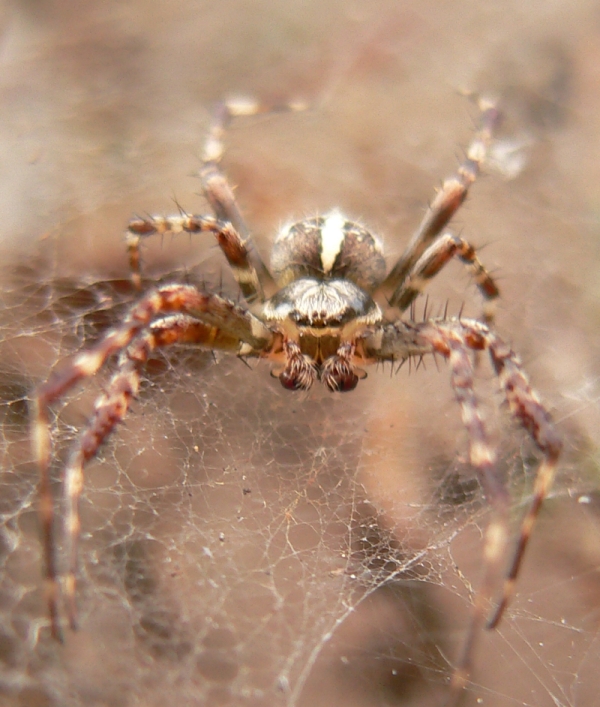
(326, 266)
(327, 310)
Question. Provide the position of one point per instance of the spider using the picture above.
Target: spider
(324, 311)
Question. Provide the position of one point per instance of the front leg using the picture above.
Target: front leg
(146, 326)
(446, 203)
(234, 248)
(217, 189)
(434, 259)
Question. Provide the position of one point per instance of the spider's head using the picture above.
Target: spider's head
(327, 266)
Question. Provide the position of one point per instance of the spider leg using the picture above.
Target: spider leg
(252, 275)
(435, 257)
(110, 409)
(446, 202)
(453, 339)
(217, 189)
(483, 459)
(229, 240)
(223, 324)
(527, 408)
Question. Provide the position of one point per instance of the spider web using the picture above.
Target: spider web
(234, 525)
(241, 544)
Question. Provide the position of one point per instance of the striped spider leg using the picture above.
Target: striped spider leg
(252, 275)
(168, 315)
(455, 339)
(172, 314)
(446, 203)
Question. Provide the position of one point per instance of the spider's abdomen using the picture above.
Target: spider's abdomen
(328, 247)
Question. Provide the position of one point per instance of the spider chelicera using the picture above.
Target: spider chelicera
(324, 311)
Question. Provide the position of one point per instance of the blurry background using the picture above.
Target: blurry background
(242, 545)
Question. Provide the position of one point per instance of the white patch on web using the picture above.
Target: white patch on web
(332, 238)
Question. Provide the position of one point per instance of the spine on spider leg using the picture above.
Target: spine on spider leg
(401, 340)
(434, 259)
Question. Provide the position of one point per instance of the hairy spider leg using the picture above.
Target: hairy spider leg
(527, 408)
(454, 339)
(220, 196)
(252, 275)
(216, 187)
(228, 239)
(446, 202)
(435, 257)
(222, 325)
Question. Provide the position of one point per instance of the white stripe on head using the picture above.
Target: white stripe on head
(332, 239)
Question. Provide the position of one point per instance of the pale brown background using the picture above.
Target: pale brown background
(215, 527)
